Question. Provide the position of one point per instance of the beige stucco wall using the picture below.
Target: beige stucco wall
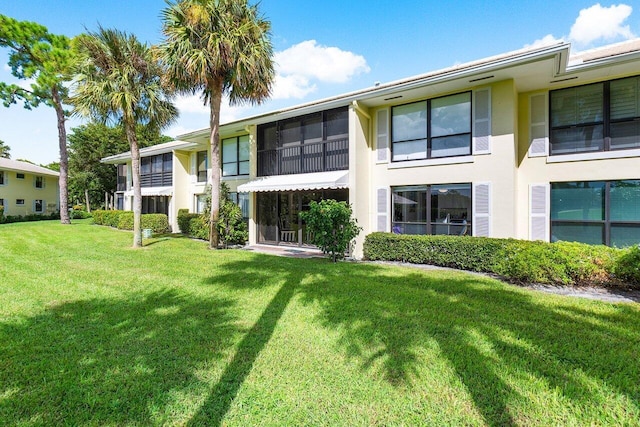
(360, 156)
(25, 189)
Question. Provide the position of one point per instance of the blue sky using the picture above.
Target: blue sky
(328, 48)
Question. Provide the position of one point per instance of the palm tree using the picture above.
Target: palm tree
(119, 79)
(216, 48)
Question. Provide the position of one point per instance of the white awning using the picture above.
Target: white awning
(153, 191)
(303, 181)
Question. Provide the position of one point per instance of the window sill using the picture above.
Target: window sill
(600, 155)
(235, 178)
(431, 162)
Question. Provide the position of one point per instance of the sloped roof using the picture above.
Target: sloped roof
(599, 53)
(16, 165)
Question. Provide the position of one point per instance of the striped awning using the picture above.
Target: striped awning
(297, 182)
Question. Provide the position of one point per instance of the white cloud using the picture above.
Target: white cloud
(545, 41)
(597, 22)
(191, 104)
(176, 130)
(300, 65)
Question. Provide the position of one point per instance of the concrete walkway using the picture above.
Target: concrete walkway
(589, 292)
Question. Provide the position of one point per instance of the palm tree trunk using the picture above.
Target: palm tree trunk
(137, 191)
(64, 158)
(214, 124)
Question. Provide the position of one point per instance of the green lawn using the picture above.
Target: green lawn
(95, 333)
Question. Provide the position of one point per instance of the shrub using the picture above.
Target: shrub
(517, 260)
(75, 214)
(1, 214)
(6, 219)
(627, 266)
(331, 226)
(158, 223)
(231, 227)
(193, 225)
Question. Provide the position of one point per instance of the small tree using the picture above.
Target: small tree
(232, 230)
(331, 226)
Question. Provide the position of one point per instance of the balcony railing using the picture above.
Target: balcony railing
(158, 179)
(306, 158)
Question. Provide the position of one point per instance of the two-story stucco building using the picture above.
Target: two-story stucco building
(27, 189)
(532, 144)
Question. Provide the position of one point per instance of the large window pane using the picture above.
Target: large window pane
(457, 145)
(230, 169)
(577, 201)
(592, 234)
(337, 123)
(243, 148)
(451, 115)
(625, 200)
(450, 209)
(409, 122)
(313, 128)
(623, 236)
(577, 139)
(625, 135)
(243, 168)
(410, 210)
(577, 105)
(290, 133)
(202, 166)
(625, 98)
(229, 150)
(410, 150)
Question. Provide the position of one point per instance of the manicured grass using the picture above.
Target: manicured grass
(95, 333)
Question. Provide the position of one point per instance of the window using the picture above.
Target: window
(202, 165)
(316, 142)
(156, 171)
(432, 209)
(39, 182)
(597, 117)
(235, 156)
(122, 178)
(119, 201)
(596, 212)
(20, 202)
(2, 181)
(20, 175)
(439, 127)
(2, 202)
(201, 203)
(242, 200)
(38, 206)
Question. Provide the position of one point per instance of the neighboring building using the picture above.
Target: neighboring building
(27, 189)
(534, 144)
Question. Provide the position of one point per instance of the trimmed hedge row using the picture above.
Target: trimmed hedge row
(123, 220)
(6, 219)
(519, 261)
(193, 224)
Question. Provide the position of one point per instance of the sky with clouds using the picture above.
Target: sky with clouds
(327, 48)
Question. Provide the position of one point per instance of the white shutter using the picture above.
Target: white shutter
(539, 125)
(481, 209)
(539, 212)
(482, 121)
(382, 136)
(382, 209)
(194, 166)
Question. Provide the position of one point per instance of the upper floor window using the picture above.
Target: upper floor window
(2, 181)
(202, 165)
(596, 117)
(439, 127)
(122, 178)
(39, 182)
(156, 171)
(316, 142)
(235, 156)
(19, 175)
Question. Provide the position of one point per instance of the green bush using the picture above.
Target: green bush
(232, 229)
(123, 220)
(75, 214)
(193, 225)
(331, 226)
(519, 261)
(627, 266)
(6, 219)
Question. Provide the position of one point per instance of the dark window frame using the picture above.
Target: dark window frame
(606, 121)
(237, 161)
(20, 202)
(606, 222)
(155, 178)
(429, 222)
(429, 138)
(35, 206)
(201, 174)
(20, 175)
(2, 180)
(40, 180)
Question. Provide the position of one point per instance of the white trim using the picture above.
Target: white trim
(431, 162)
(600, 155)
(383, 152)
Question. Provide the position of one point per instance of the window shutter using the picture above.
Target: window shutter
(482, 121)
(194, 166)
(539, 130)
(44, 182)
(382, 136)
(482, 209)
(539, 212)
(382, 202)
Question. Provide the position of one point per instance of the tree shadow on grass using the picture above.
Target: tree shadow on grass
(486, 331)
(110, 362)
